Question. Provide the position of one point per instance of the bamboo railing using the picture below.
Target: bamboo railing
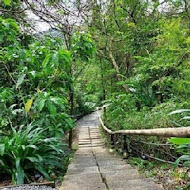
(160, 132)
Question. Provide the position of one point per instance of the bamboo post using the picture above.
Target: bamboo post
(112, 141)
(115, 141)
(124, 146)
(70, 138)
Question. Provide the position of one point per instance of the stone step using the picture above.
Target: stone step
(76, 186)
(82, 179)
(107, 169)
(83, 170)
(82, 165)
(113, 163)
(79, 153)
(143, 183)
(131, 175)
(110, 158)
(86, 156)
(83, 161)
(83, 175)
(112, 172)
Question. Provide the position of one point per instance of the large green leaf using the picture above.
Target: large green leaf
(20, 80)
(7, 2)
(51, 108)
(20, 176)
(28, 105)
(32, 147)
(46, 60)
(179, 141)
(186, 118)
(19, 171)
(41, 104)
(179, 111)
(43, 171)
(2, 149)
(32, 159)
(183, 158)
(69, 122)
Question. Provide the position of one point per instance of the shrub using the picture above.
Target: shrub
(27, 150)
(182, 145)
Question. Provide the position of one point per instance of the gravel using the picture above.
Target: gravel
(29, 187)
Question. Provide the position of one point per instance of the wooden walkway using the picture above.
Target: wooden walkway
(94, 168)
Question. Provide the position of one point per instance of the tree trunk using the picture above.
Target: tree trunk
(71, 99)
(125, 86)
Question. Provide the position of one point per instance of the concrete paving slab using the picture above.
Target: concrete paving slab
(143, 183)
(94, 168)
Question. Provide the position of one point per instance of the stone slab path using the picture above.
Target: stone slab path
(94, 168)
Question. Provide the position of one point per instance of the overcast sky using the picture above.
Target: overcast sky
(39, 25)
(43, 26)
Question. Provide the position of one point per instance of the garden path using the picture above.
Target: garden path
(94, 168)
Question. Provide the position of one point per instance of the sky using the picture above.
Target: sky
(43, 26)
(39, 25)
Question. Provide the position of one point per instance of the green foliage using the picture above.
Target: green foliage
(152, 54)
(179, 141)
(34, 81)
(83, 47)
(88, 88)
(40, 67)
(147, 49)
(127, 115)
(142, 164)
(27, 150)
(35, 86)
(7, 2)
(140, 47)
(182, 145)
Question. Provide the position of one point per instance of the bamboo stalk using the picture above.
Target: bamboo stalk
(160, 132)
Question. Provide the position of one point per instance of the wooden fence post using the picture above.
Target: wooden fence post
(104, 111)
(70, 138)
(115, 141)
(125, 146)
(112, 141)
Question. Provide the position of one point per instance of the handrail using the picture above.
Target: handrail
(162, 132)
